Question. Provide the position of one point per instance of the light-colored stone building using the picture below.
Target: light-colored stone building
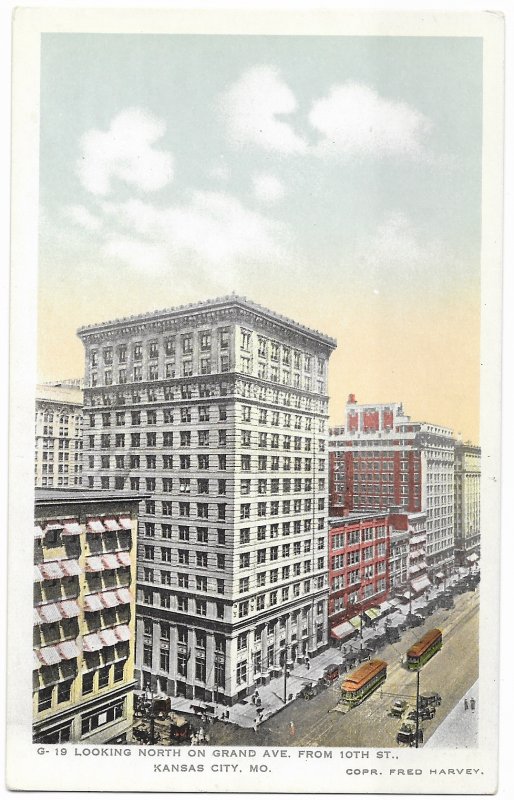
(467, 503)
(219, 411)
(58, 457)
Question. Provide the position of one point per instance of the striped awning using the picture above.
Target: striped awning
(356, 622)
(421, 583)
(111, 524)
(343, 631)
(37, 574)
(372, 613)
(49, 656)
(50, 613)
(51, 570)
(122, 632)
(94, 564)
(92, 602)
(124, 595)
(36, 663)
(109, 599)
(38, 532)
(91, 643)
(110, 561)
(68, 649)
(71, 528)
(95, 526)
(108, 637)
(125, 523)
(53, 525)
(71, 568)
(124, 558)
(69, 608)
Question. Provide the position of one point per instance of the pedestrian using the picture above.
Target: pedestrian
(201, 736)
(466, 705)
(472, 703)
(292, 729)
(308, 663)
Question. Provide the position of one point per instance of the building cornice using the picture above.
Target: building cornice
(231, 308)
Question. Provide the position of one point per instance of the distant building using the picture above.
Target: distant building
(408, 569)
(84, 615)
(219, 411)
(58, 460)
(380, 459)
(467, 503)
(359, 552)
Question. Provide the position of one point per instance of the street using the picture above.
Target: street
(451, 672)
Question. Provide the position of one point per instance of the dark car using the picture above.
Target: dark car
(398, 708)
(310, 690)
(427, 712)
(433, 699)
(406, 735)
(331, 673)
(180, 729)
(392, 634)
(415, 620)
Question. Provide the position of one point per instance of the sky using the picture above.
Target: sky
(336, 180)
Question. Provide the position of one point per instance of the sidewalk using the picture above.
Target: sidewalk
(460, 727)
(244, 713)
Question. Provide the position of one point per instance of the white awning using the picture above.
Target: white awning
(125, 523)
(71, 568)
(71, 528)
(421, 583)
(343, 631)
(69, 608)
(439, 575)
(95, 526)
(38, 532)
(49, 656)
(37, 574)
(94, 564)
(124, 595)
(91, 643)
(110, 561)
(51, 570)
(420, 537)
(111, 524)
(53, 525)
(92, 602)
(109, 599)
(122, 632)
(68, 650)
(50, 613)
(473, 557)
(108, 637)
(36, 663)
(124, 558)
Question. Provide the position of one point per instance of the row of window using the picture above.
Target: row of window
(200, 557)
(153, 348)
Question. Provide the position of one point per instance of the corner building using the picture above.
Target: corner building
(219, 411)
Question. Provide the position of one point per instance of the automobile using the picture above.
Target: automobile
(180, 729)
(427, 712)
(392, 634)
(310, 690)
(331, 673)
(415, 620)
(364, 654)
(433, 699)
(406, 735)
(398, 708)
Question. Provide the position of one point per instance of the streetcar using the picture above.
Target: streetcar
(422, 651)
(361, 683)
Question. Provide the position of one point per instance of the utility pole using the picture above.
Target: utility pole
(285, 675)
(417, 706)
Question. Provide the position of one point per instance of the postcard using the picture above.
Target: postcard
(255, 401)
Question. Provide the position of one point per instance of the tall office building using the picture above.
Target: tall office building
(219, 411)
(84, 615)
(381, 459)
(58, 457)
(467, 503)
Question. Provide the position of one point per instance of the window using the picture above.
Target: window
(183, 556)
(244, 536)
(45, 698)
(245, 511)
(203, 462)
(245, 463)
(244, 560)
(201, 608)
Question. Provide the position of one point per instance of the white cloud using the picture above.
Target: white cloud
(355, 120)
(252, 106)
(125, 152)
(144, 256)
(397, 242)
(213, 228)
(81, 216)
(268, 188)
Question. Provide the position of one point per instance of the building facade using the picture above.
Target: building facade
(380, 459)
(467, 503)
(84, 615)
(359, 553)
(58, 458)
(408, 567)
(219, 411)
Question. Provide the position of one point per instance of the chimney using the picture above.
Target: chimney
(351, 399)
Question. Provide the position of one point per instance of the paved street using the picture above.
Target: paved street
(451, 673)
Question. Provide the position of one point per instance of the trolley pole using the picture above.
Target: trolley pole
(417, 706)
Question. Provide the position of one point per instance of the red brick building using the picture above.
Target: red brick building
(358, 563)
(380, 459)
